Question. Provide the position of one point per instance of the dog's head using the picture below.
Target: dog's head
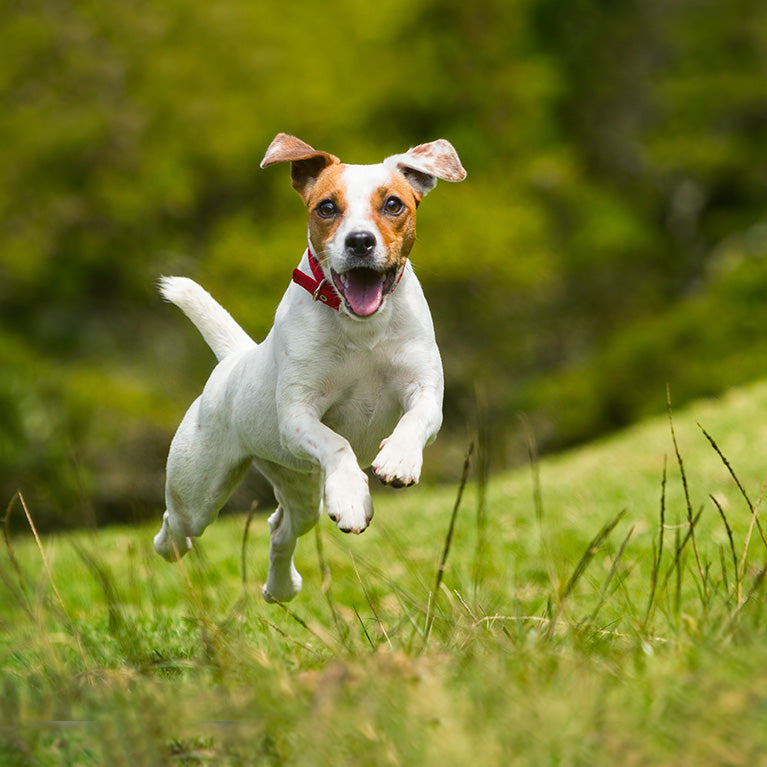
(362, 217)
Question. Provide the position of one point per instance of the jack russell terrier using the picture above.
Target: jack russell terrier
(349, 375)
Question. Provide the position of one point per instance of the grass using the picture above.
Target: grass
(600, 607)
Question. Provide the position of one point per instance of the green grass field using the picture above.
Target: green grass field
(601, 607)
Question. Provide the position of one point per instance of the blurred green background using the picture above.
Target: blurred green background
(611, 237)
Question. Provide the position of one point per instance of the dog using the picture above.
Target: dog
(349, 374)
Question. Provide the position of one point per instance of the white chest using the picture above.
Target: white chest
(363, 403)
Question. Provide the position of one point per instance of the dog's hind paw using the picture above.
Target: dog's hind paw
(170, 545)
(275, 591)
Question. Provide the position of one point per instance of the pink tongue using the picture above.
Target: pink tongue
(364, 291)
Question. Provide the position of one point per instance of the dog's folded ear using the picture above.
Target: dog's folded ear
(306, 162)
(424, 164)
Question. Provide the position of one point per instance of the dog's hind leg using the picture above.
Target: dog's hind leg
(299, 509)
(283, 581)
(202, 471)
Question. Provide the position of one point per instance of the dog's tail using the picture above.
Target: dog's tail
(217, 326)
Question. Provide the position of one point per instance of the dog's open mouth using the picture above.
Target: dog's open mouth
(364, 289)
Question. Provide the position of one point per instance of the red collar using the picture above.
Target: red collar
(320, 286)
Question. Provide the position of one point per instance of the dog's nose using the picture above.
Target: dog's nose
(360, 244)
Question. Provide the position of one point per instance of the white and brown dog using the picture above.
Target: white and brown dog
(350, 373)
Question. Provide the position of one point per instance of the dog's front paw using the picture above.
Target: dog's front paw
(347, 499)
(398, 465)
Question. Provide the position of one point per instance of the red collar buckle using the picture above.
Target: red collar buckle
(319, 285)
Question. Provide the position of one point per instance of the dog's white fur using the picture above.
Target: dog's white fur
(325, 392)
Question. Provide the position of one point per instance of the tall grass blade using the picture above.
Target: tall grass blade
(364, 629)
(685, 487)
(676, 567)
(370, 603)
(658, 555)
(325, 587)
(244, 546)
(730, 538)
(301, 622)
(744, 557)
(9, 545)
(411, 607)
(723, 566)
(49, 575)
(106, 580)
(680, 544)
(448, 539)
(611, 574)
(43, 557)
(532, 455)
(591, 550)
(483, 473)
(753, 509)
(284, 634)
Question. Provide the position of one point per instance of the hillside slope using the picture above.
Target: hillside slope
(563, 631)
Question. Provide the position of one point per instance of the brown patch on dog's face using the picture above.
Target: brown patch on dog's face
(327, 204)
(394, 211)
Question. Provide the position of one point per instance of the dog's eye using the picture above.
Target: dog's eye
(394, 205)
(327, 209)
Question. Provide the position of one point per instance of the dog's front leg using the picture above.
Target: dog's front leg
(400, 458)
(346, 492)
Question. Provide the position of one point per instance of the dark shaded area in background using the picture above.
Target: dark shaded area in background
(610, 239)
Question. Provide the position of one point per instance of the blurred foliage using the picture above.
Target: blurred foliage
(610, 238)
